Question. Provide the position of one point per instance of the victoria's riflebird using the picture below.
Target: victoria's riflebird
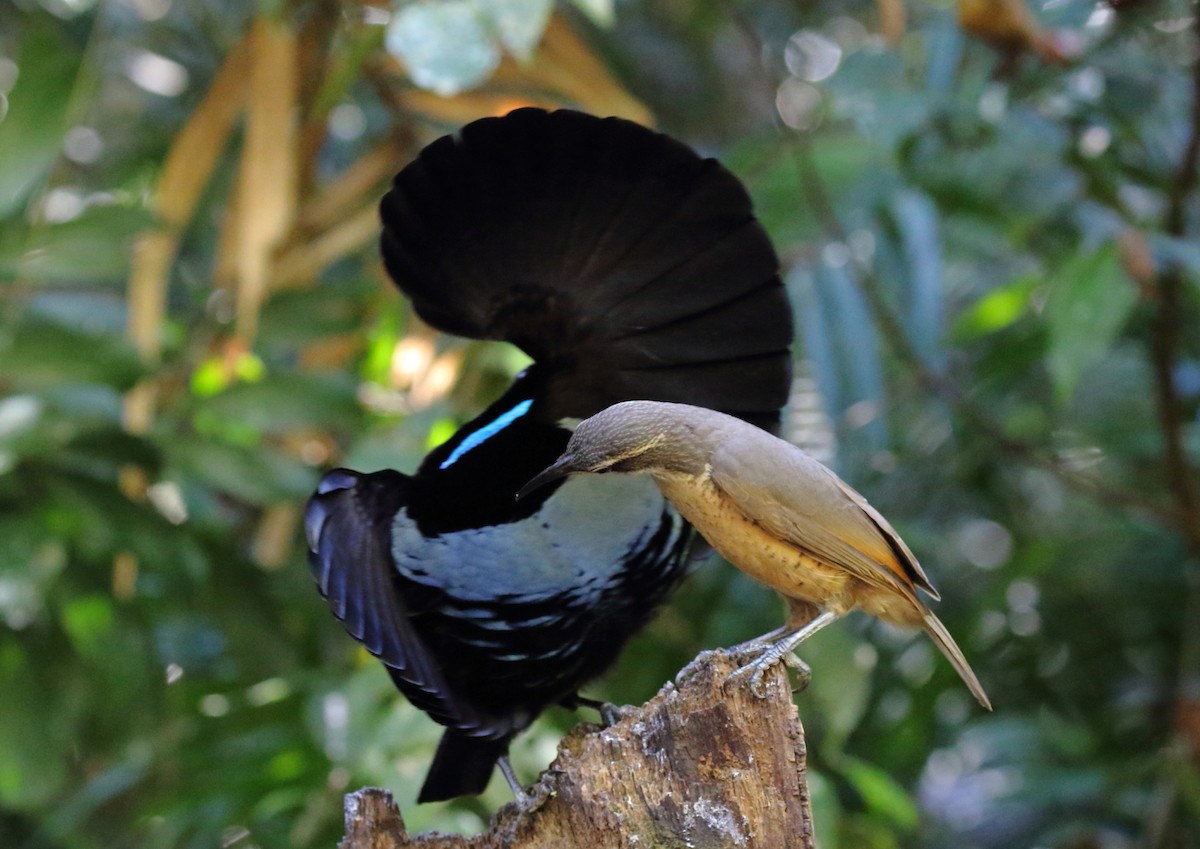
(771, 510)
(626, 266)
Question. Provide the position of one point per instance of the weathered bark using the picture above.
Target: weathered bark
(704, 764)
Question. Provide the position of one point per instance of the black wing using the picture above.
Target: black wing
(347, 523)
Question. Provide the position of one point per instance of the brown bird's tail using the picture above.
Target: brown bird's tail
(941, 637)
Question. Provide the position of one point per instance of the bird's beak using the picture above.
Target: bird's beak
(561, 468)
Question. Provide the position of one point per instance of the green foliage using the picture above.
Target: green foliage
(168, 675)
(36, 114)
(1089, 300)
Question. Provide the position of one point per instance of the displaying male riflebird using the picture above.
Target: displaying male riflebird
(772, 511)
(627, 267)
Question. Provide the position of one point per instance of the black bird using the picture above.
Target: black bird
(627, 267)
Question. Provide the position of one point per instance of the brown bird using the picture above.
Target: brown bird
(771, 510)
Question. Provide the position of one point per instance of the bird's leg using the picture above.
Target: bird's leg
(757, 644)
(781, 644)
(610, 714)
(521, 796)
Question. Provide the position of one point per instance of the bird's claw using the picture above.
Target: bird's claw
(611, 714)
(803, 671)
(684, 675)
(754, 671)
(526, 801)
(758, 667)
(757, 687)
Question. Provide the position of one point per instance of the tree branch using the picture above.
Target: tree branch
(1181, 478)
(1164, 343)
(703, 764)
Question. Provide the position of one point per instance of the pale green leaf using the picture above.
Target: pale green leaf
(519, 23)
(996, 310)
(445, 47)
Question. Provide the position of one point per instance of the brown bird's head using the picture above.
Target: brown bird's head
(633, 436)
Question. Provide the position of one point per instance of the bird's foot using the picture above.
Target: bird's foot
(692, 668)
(763, 641)
(525, 800)
(779, 646)
(758, 667)
(610, 714)
(802, 669)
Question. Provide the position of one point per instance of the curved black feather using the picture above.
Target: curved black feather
(461, 766)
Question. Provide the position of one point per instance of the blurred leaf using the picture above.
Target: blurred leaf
(18, 415)
(819, 345)
(917, 220)
(300, 316)
(346, 67)
(382, 337)
(91, 249)
(31, 130)
(599, 11)
(880, 792)
(445, 47)
(220, 371)
(258, 475)
(772, 176)
(564, 70)
(35, 733)
(87, 405)
(996, 310)
(1180, 252)
(190, 640)
(1087, 302)
(39, 354)
(98, 521)
(93, 310)
(1189, 787)
(842, 700)
(519, 23)
(72, 814)
(872, 90)
(29, 568)
(105, 450)
(842, 344)
(284, 402)
(826, 809)
(945, 45)
(441, 431)
(88, 621)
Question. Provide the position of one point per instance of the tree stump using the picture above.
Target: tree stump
(704, 764)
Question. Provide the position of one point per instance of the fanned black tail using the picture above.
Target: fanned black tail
(462, 766)
(625, 264)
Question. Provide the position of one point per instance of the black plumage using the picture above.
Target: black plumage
(627, 267)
